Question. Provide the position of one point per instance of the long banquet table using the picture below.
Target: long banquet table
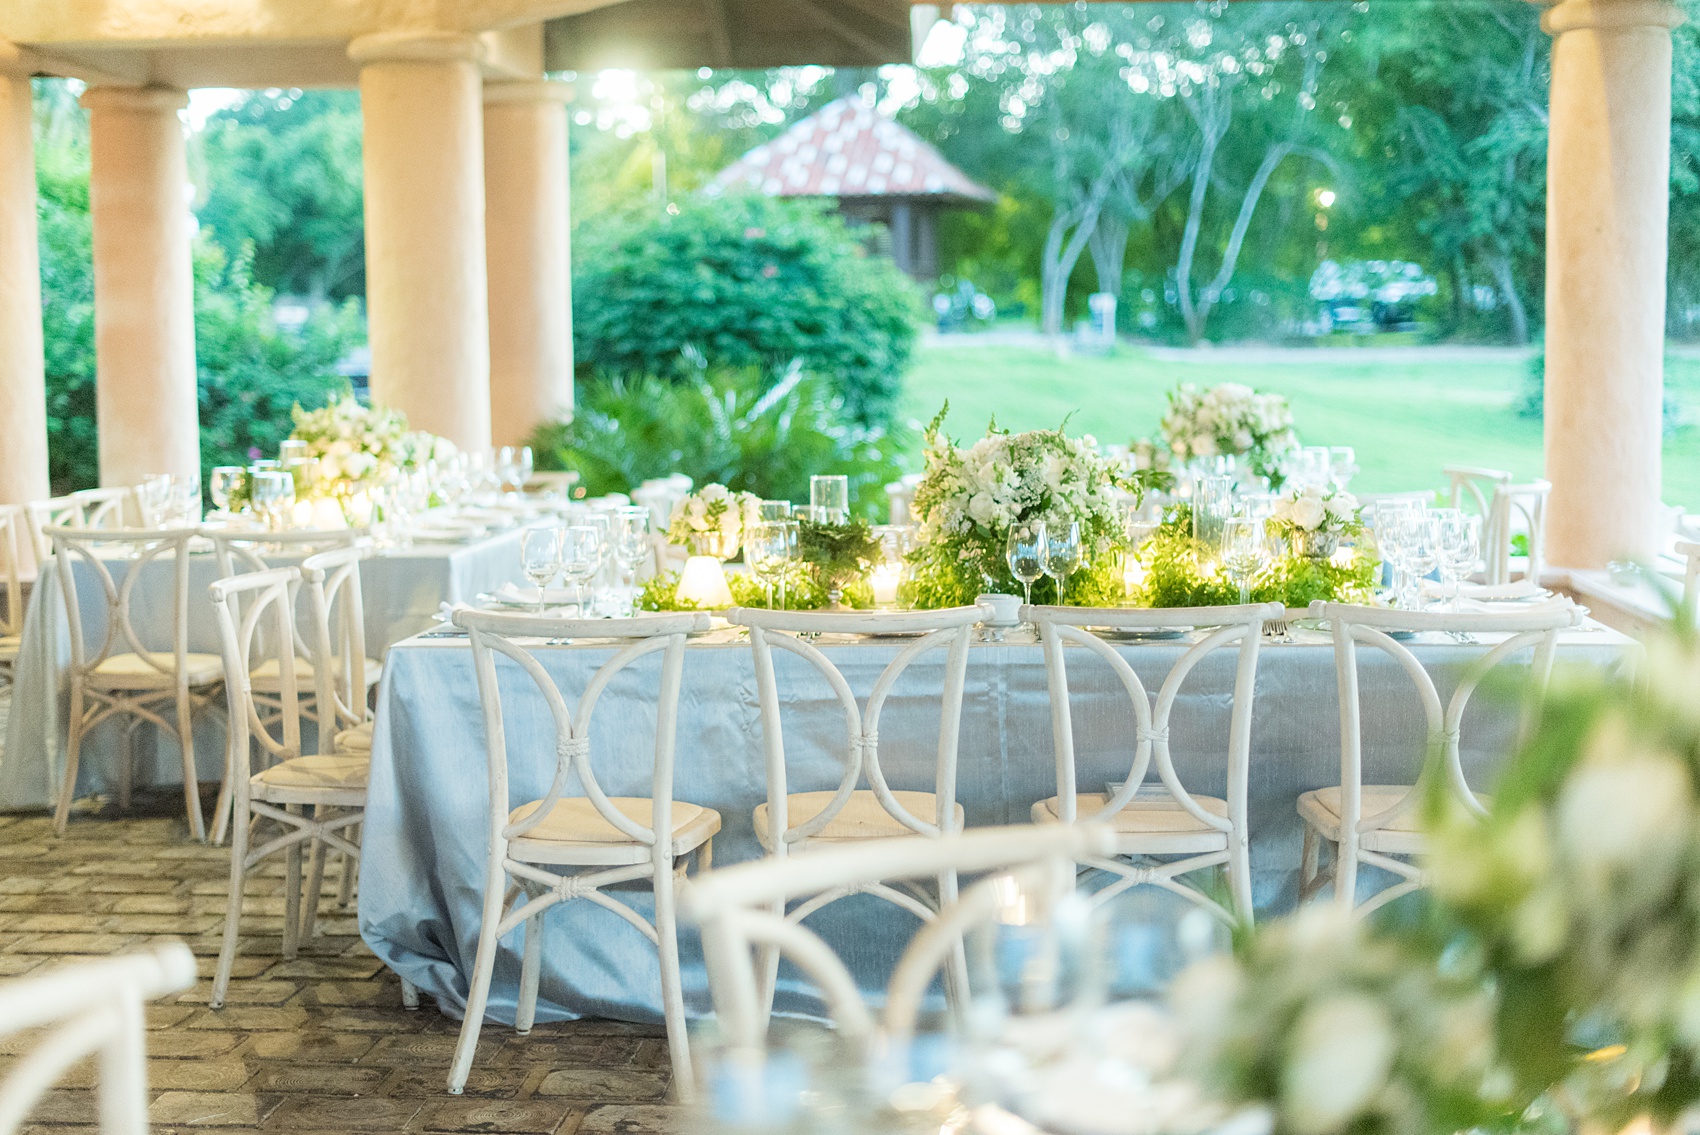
(403, 589)
(426, 824)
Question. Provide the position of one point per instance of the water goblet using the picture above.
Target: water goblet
(582, 549)
(1063, 555)
(223, 481)
(523, 467)
(1419, 539)
(767, 547)
(1024, 551)
(1342, 466)
(631, 542)
(540, 558)
(1459, 549)
(1245, 549)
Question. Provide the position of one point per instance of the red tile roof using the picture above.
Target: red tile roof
(847, 149)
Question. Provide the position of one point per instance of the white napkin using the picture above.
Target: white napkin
(1490, 592)
(515, 595)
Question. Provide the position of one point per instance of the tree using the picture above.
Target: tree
(281, 171)
(739, 282)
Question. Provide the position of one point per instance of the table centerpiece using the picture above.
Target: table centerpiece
(969, 499)
(1230, 420)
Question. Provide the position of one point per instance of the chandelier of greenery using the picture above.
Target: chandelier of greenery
(970, 498)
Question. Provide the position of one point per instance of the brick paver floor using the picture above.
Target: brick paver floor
(316, 1044)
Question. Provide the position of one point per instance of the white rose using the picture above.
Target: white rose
(982, 508)
(1307, 513)
(1343, 1048)
(1340, 508)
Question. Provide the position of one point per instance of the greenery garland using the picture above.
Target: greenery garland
(803, 592)
(1183, 572)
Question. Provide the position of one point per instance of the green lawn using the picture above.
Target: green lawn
(1406, 416)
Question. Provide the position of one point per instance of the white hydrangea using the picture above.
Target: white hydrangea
(1230, 419)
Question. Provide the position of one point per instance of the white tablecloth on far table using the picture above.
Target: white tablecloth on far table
(423, 871)
(402, 589)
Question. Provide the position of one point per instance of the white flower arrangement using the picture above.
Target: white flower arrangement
(712, 521)
(363, 445)
(1315, 509)
(1150, 455)
(1230, 420)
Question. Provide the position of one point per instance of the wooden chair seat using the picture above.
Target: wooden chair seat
(863, 817)
(266, 675)
(574, 832)
(131, 671)
(334, 779)
(1148, 826)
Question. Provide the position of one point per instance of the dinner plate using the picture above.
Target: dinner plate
(1139, 634)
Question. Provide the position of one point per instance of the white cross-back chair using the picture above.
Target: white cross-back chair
(737, 907)
(563, 846)
(239, 552)
(123, 676)
(1380, 825)
(1690, 579)
(792, 822)
(314, 798)
(1156, 823)
(1506, 508)
(85, 508)
(89, 1008)
(14, 522)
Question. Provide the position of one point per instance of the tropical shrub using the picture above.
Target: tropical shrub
(742, 282)
(722, 426)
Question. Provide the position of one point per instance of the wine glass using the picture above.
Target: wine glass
(1244, 550)
(273, 495)
(1418, 535)
(582, 547)
(767, 547)
(222, 482)
(1459, 548)
(540, 557)
(154, 496)
(1342, 466)
(631, 541)
(507, 467)
(1063, 555)
(1025, 553)
(522, 468)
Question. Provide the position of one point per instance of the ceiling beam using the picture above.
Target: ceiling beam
(719, 34)
(839, 28)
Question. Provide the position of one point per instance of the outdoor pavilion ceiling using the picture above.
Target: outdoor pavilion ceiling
(303, 43)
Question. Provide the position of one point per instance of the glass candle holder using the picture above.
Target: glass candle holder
(829, 496)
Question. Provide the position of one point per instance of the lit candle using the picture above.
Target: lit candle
(885, 579)
(301, 516)
(1133, 575)
(703, 583)
(328, 514)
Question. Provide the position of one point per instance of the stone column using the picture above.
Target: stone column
(1608, 187)
(144, 289)
(23, 398)
(425, 272)
(527, 231)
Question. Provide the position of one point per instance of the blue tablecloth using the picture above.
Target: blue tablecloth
(403, 588)
(423, 870)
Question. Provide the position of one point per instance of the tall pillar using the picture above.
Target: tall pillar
(527, 230)
(144, 289)
(1608, 186)
(23, 397)
(427, 321)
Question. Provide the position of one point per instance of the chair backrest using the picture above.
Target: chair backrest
(1534, 628)
(64, 511)
(256, 622)
(13, 521)
(239, 550)
(142, 547)
(86, 1008)
(495, 633)
(738, 909)
(1240, 626)
(1473, 485)
(117, 506)
(1519, 506)
(336, 638)
(1690, 579)
(950, 629)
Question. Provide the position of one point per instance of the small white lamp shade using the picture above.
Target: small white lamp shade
(704, 583)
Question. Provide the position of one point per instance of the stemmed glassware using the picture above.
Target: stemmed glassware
(582, 547)
(631, 543)
(273, 495)
(1063, 555)
(1417, 536)
(540, 557)
(1025, 554)
(1459, 548)
(1342, 466)
(222, 482)
(768, 548)
(1245, 549)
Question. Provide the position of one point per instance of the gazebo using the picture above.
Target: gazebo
(466, 198)
(876, 170)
